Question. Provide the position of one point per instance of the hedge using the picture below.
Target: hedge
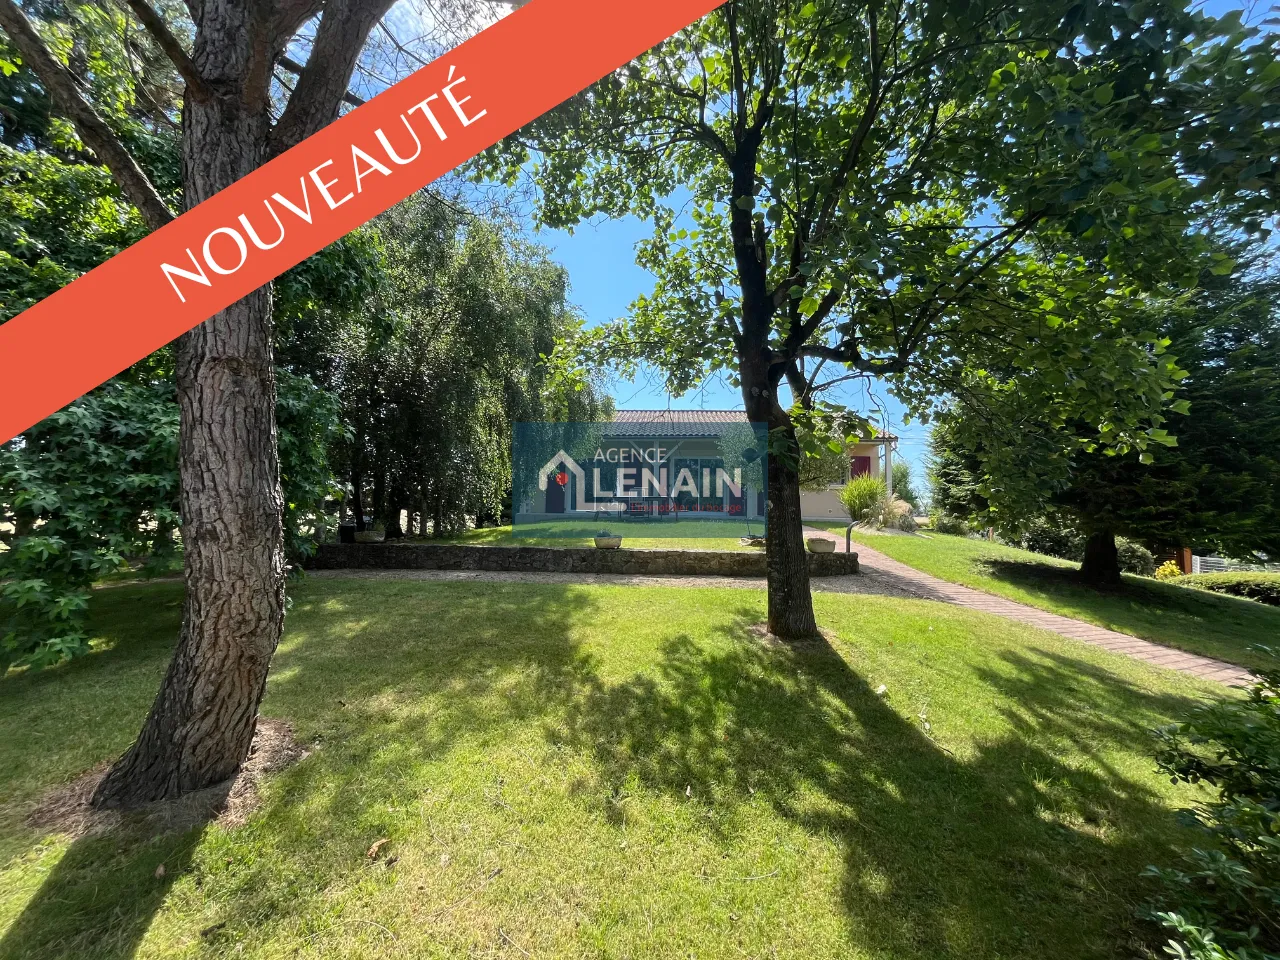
(1263, 587)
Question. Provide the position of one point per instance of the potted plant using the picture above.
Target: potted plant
(607, 541)
(820, 544)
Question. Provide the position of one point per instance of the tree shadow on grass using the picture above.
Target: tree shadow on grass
(1005, 852)
(1024, 845)
(348, 675)
(101, 895)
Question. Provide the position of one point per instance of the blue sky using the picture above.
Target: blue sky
(600, 258)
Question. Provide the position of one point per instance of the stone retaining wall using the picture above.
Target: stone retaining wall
(430, 556)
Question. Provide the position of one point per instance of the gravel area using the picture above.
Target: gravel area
(862, 583)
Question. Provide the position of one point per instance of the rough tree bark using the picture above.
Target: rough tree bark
(203, 718)
(1101, 563)
(202, 722)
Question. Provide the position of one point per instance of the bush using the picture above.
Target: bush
(1263, 587)
(1053, 538)
(1223, 901)
(895, 514)
(1169, 570)
(83, 491)
(1135, 558)
(946, 523)
(862, 497)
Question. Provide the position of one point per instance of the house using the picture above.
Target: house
(647, 464)
(874, 457)
(669, 463)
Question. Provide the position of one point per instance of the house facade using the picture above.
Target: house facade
(657, 464)
(653, 464)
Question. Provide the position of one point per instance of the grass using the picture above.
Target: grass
(694, 535)
(1209, 624)
(569, 771)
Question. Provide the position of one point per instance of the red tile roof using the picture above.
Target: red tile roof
(685, 422)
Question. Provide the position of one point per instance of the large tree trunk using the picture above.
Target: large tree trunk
(1101, 560)
(202, 722)
(787, 568)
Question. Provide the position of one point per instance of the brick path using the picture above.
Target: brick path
(931, 588)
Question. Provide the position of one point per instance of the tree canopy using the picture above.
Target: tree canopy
(1213, 485)
(915, 190)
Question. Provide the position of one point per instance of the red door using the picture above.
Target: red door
(859, 466)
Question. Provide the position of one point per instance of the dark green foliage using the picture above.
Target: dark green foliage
(1223, 901)
(903, 488)
(1211, 482)
(1051, 537)
(81, 493)
(1135, 558)
(948, 523)
(309, 425)
(1263, 587)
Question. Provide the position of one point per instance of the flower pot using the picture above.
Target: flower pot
(608, 543)
(820, 545)
(370, 536)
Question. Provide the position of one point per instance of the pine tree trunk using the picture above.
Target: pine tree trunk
(202, 722)
(1101, 560)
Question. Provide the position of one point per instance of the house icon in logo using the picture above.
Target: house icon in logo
(559, 463)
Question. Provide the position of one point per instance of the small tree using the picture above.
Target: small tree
(849, 209)
(1214, 486)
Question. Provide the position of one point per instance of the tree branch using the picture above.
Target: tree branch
(93, 130)
(294, 67)
(197, 87)
(322, 85)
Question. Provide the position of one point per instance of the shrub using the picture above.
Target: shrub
(895, 514)
(83, 492)
(946, 523)
(903, 488)
(862, 497)
(1263, 587)
(1053, 538)
(1223, 901)
(1169, 570)
(1135, 558)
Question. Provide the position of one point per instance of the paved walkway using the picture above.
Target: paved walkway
(874, 563)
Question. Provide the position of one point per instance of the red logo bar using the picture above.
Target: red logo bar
(322, 189)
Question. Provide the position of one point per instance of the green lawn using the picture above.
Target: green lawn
(572, 771)
(695, 535)
(1205, 623)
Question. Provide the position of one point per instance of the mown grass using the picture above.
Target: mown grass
(675, 535)
(1201, 622)
(567, 771)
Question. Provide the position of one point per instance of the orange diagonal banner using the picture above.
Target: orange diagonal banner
(331, 183)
